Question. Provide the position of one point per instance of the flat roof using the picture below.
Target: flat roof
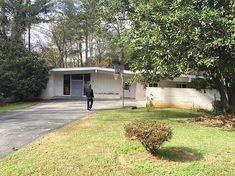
(103, 70)
(87, 70)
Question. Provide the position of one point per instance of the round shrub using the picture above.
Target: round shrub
(23, 77)
(132, 130)
(152, 134)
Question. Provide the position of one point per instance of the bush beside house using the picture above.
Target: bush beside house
(22, 77)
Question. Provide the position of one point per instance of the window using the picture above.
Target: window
(126, 86)
(66, 84)
(153, 85)
(87, 77)
(77, 77)
(181, 85)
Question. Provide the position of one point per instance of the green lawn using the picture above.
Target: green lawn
(15, 106)
(97, 146)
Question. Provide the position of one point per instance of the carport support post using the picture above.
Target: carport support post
(122, 90)
(119, 72)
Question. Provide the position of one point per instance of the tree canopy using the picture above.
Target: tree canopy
(89, 33)
(176, 37)
(22, 74)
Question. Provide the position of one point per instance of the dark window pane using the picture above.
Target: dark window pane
(155, 85)
(87, 77)
(66, 84)
(77, 76)
(67, 77)
(181, 85)
(127, 86)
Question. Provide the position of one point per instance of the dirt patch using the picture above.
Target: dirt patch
(161, 104)
(227, 121)
(121, 161)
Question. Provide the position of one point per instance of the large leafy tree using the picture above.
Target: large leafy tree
(89, 32)
(16, 16)
(22, 75)
(115, 21)
(83, 34)
(76, 31)
(176, 37)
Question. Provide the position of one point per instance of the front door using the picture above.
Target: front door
(77, 88)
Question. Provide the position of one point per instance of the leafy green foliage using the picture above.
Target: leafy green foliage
(199, 83)
(23, 77)
(115, 20)
(179, 37)
(15, 18)
(152, 134)
(1, 99)
(22, 74)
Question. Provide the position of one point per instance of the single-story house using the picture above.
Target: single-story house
(72, 82)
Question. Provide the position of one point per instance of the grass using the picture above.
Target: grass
(15, 106)
(97, 146)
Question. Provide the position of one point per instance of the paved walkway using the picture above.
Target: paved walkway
(21, 127)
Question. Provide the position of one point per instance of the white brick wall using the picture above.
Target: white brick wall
(182, 97)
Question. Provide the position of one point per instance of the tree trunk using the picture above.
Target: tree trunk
(29, 37)
(86, 48)
(29, 30)
(223, 97)
(80, 53)
(61, 60)
(16, 34)
(231, 98)
(91, 47)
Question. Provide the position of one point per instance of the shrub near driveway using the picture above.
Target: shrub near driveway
(97, 146)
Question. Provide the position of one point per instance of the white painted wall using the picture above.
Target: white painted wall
(54, 86)
(49, 91)
(140, 93)
(105, 86)
(182, 97)
(58, 84)
(132, 89)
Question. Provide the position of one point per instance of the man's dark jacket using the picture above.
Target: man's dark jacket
(89, 93)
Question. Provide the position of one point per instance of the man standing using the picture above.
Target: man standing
(89, 95)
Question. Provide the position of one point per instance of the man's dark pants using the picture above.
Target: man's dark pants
(89, 103)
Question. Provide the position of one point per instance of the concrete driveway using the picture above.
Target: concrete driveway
(21, 127)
